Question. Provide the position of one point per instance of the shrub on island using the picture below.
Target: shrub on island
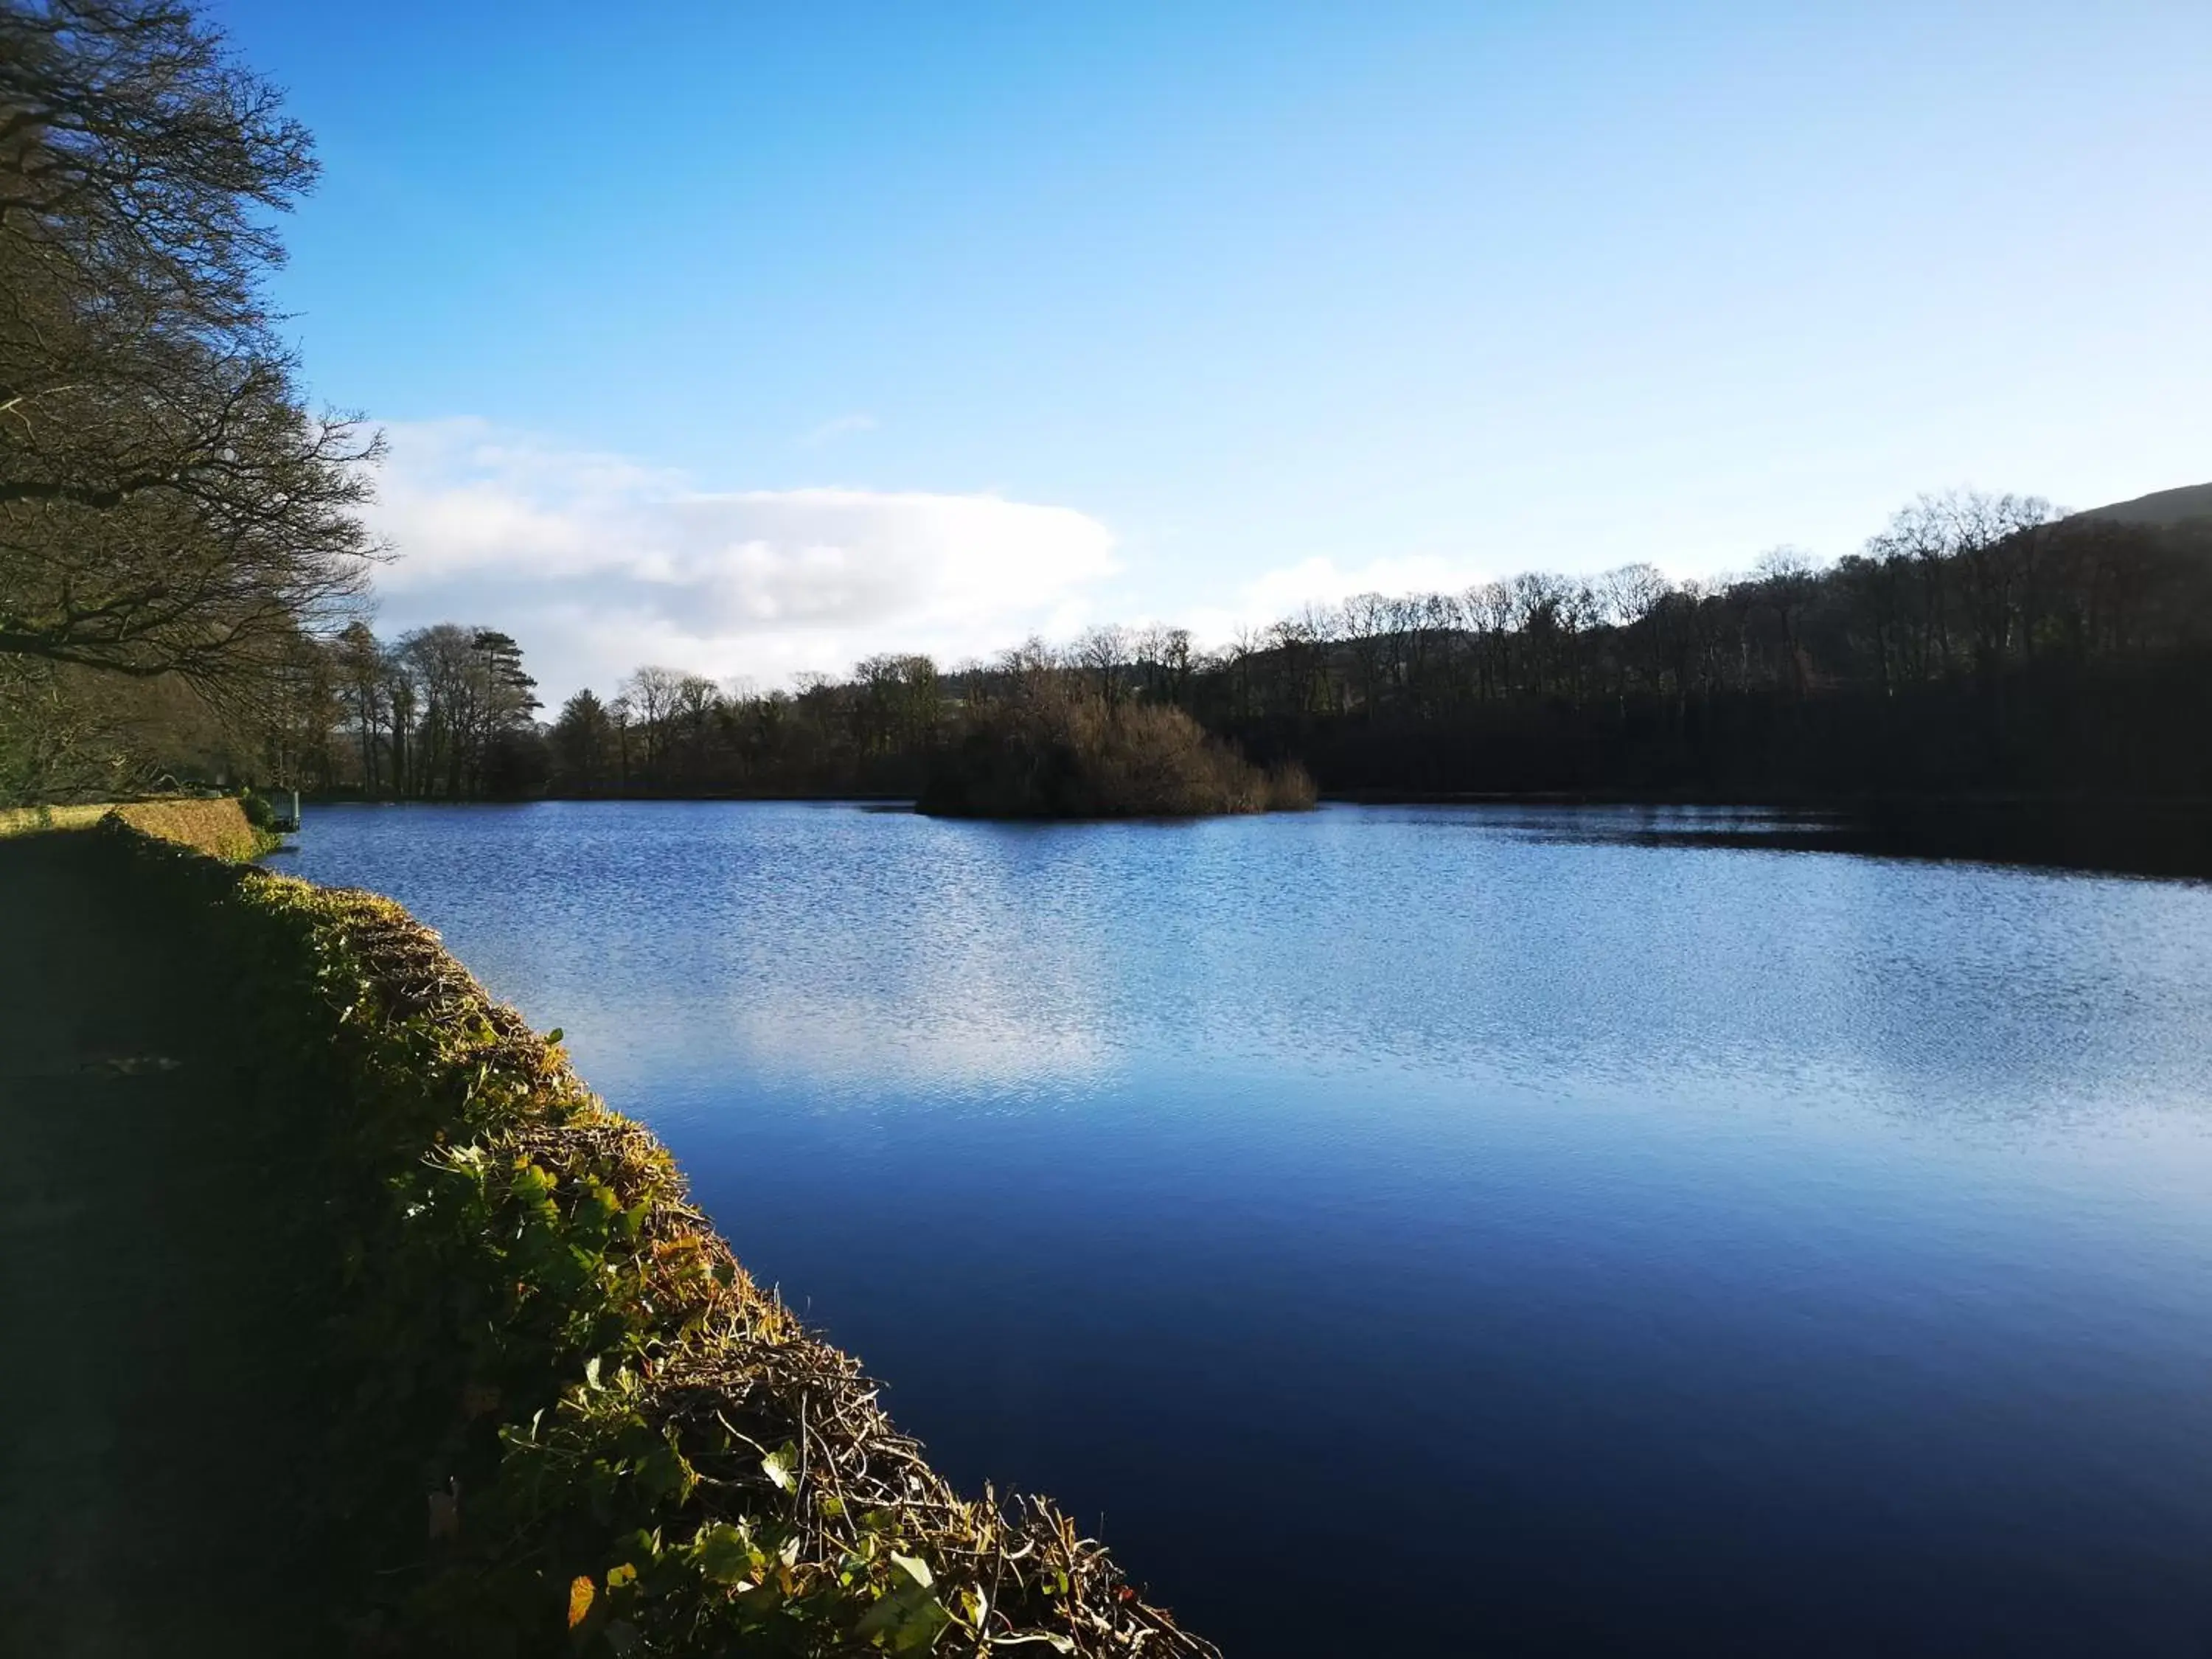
(1050, 752)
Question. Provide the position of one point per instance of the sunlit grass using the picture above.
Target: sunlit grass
(218, 828)
(29, 820)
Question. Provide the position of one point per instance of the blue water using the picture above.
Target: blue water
(1440, 1231)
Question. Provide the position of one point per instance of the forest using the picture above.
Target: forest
(1978, 644)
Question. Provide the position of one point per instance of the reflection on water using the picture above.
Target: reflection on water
(1647, 1247)
(950, 1038)
(2154, 838)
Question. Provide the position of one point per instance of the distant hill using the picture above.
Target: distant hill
(2162, 507)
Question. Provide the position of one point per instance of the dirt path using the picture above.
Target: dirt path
(157, 1401)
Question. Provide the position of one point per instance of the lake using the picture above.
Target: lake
(1439, 1229)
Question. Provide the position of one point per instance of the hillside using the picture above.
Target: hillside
(2160, 507)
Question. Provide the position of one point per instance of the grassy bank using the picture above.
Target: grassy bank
(572, 1423)
(220, 828)
(30, 820)
(1052, 753)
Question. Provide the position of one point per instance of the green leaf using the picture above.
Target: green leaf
(887, 1614)
(915, 1568)
(722, 1554)
(782, 1467)
(662, 1473)
(921, 1628)
(554, 1035)
(618, 1576)
(531, 1182)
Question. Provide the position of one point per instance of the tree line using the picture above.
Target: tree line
(1978, 643)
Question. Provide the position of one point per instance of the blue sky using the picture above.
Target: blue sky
(755, 339)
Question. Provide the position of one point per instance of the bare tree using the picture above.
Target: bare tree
(1103, 653)
(167, 505)
(360, 678)
(1785, 575)
(1027, 669)
(1367, 625)
(1176, 661)
(652, 695)
(1630, 594)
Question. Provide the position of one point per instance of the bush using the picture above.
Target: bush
(1054, 753)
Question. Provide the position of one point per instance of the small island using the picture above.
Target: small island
(1049, 751)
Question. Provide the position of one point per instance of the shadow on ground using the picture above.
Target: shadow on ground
(158, 1408)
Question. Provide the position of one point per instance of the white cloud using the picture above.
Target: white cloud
(597, 563)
